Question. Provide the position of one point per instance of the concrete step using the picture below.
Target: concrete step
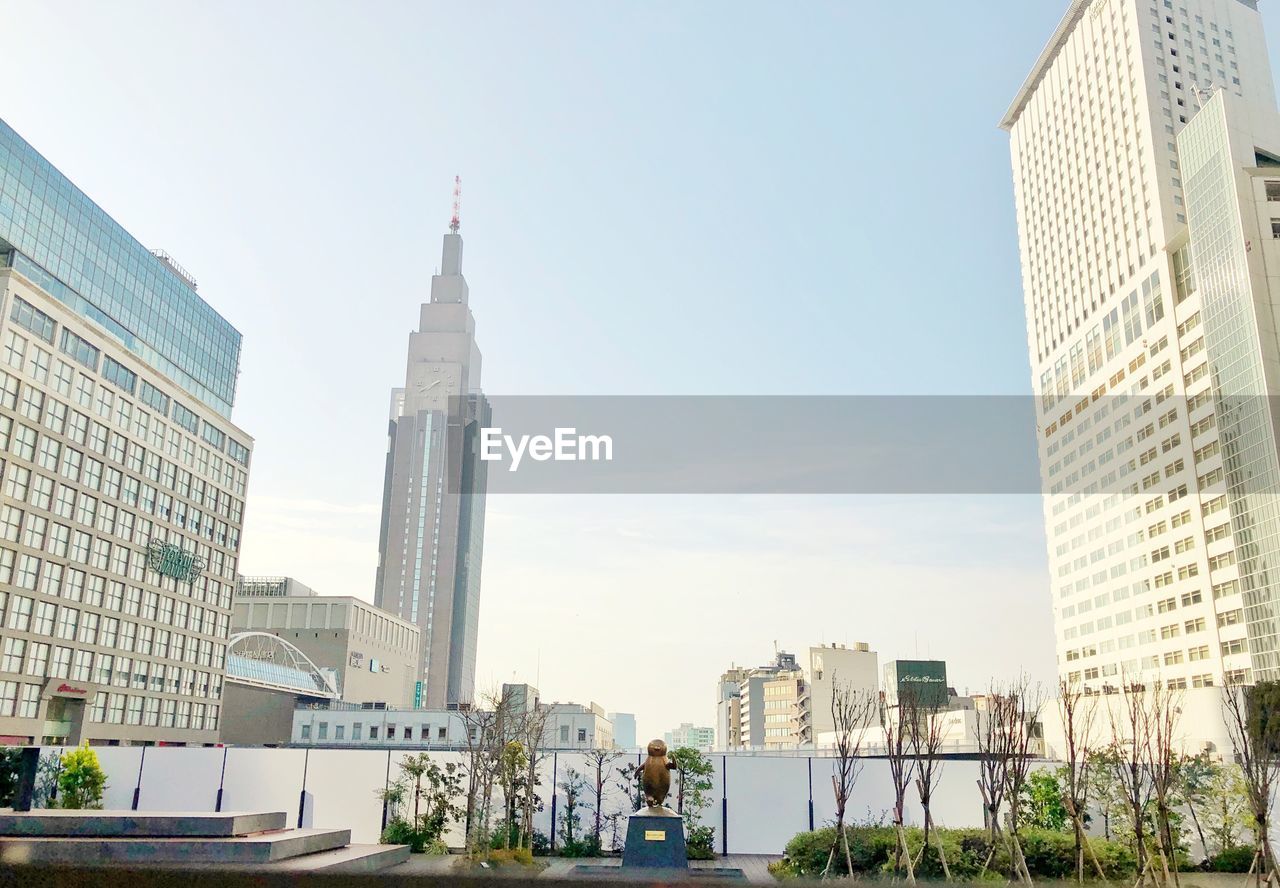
(254, 849)
(49, 822)
(351, 859)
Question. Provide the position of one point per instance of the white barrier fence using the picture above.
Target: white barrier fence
(756, 804)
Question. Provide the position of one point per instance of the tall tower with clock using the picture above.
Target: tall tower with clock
(431, 540)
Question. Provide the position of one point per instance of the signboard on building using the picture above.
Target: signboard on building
(57, 687)
(417, 695)
(923, 680)
(173, 561)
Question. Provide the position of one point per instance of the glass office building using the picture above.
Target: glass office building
(122, 479)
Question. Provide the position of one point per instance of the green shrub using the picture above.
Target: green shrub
(82, 780)
(10, 767)
(1236, 859)
(397, 832)
(541, 844)
(700, 843)
(1049, 854)
(511, 856)
(870, 847)
(401, 832)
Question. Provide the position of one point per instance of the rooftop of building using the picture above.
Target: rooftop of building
(54, 235)
(1074, 13)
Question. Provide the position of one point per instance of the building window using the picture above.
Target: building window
(80, 350)
(373, 732)
(1273, 191)
(306, 732)
(582, 735)
(1275, 228)
(324, 731)
(564, 733)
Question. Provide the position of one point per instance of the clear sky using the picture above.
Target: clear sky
(659, 198)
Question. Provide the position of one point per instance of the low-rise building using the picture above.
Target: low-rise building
(567, 725)
(267, 680)
(831, 666)
(373, 654)
(624, 730)
(786, 704)
(688, 734)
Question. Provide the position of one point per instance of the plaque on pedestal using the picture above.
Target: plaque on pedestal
(655, 840)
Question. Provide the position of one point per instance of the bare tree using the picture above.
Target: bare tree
(851, 713)
(511, 777)
(485, 742)
(1130, 737)
(532, 726)
(992, 741)
(1164, 708)
(897, 742)
(1077, 726)
(1022, 714)
(601, 761)
(1254, 727)
(925, 726)
(1004, 733)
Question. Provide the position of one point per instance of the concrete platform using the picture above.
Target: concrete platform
(51, 822)
(253, 849)
(351, 859)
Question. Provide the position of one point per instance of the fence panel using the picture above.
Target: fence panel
(263, 780)
(176, 778)
(768, 802)
(121, 766)
(342, 791)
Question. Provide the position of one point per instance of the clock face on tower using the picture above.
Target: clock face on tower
(432, 380)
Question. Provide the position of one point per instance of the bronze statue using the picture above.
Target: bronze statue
(655, 774)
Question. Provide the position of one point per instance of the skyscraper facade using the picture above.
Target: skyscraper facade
(123, 478)
(1146, 166)
(432, 534)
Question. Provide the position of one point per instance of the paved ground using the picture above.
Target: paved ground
(753, 866)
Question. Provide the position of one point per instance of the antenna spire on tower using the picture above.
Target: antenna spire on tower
(456, 221)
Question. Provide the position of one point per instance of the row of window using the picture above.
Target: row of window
(390, 731)
(90, 356)
(82, 391)
(22, 700)
(197, 507)
(20, 613)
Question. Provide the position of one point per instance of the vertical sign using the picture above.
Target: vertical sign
(417, 695)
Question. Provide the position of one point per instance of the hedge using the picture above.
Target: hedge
(1049, 854)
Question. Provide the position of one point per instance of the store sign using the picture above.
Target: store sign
(173, 561)
(417, 695)
(356, 658)
(57, 687)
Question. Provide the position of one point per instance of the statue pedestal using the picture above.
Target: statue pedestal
(655, 840)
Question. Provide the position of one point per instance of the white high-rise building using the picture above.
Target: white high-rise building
(1146, 167)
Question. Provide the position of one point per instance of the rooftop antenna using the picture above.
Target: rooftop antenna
(456, 221)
